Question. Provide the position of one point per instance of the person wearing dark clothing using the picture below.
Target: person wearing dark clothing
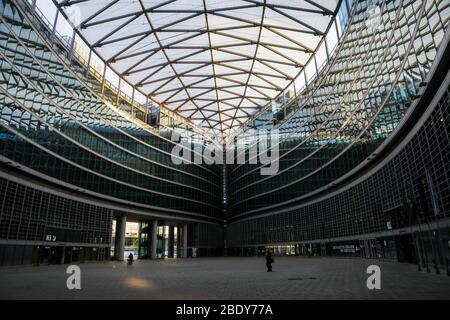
(130, 258)
(269, 261)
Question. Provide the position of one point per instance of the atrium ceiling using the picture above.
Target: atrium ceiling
(215, 62)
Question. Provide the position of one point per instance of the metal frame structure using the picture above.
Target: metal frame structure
(215, 63)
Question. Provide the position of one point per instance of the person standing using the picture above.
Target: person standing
(269, 261)
(130, 259)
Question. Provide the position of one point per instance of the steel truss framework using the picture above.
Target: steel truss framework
(214, 62)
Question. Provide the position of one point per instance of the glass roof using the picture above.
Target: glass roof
(214, 62)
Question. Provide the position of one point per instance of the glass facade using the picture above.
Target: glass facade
(333, 195)
(351, 108)
(373, 205)
(66, 131)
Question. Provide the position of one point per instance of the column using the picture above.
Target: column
(119, 247)
(171, 241)
(63, 255)
(185, 231)
(179, 235)
(154, 239)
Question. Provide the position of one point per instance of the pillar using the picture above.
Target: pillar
(63, 255)
(185, 231)
(119, 247)
(171, 241)
(179, 235)
(154, 239)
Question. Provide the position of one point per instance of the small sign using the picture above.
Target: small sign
(389, 225)
(50, 237)
(53, 234)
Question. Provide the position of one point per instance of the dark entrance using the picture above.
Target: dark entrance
(405, 248)
(49, 255)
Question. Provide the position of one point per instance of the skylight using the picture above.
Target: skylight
(214, 62)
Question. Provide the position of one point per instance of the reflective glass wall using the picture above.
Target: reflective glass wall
(354, 104)
(59, 121)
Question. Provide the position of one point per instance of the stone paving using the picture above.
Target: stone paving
(225, 278)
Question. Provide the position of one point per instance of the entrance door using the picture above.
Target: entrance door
(405, 249)
(68, 255)
(50, 255)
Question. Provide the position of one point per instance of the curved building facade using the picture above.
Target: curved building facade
(362, 133)
(361, 147)
(64, 127)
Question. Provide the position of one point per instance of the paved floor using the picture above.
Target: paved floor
(225, 278)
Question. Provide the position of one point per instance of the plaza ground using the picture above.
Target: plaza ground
(225, 278)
